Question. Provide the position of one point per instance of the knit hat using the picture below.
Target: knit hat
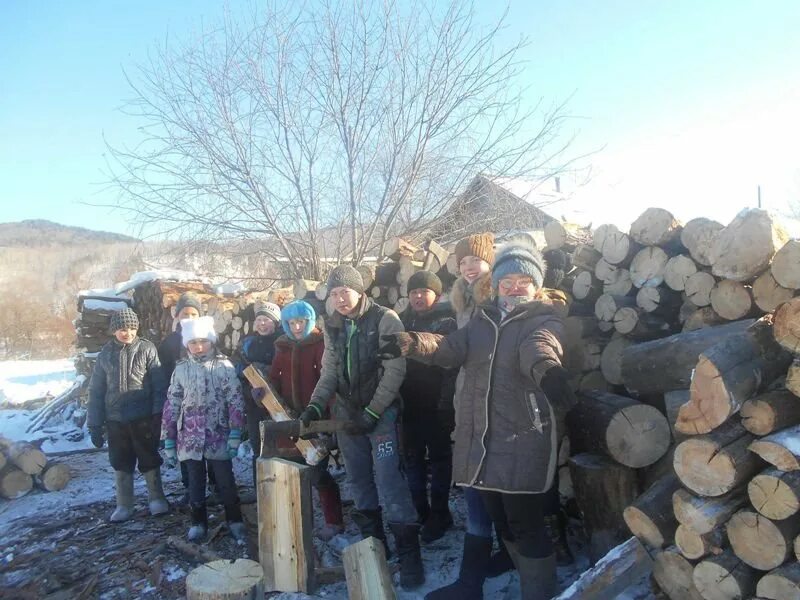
(123, 319)
(346, 276)
(479, 244)
(299, 309)
(198, 329)
(425, 280)
(188, 300)
(269, 309)
(519, 258)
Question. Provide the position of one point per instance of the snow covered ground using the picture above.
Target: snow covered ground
(92, 484)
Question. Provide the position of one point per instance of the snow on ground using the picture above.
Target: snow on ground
(22, 380)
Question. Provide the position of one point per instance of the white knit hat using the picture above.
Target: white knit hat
(198, 329)
(269, 309)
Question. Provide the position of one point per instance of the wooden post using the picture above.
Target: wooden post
(285, 521)
(366, 571)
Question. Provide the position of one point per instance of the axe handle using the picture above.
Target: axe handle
(325, 426)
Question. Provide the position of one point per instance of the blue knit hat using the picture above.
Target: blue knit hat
(299, 309)
(520, 258)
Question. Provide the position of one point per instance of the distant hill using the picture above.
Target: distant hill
(36, 233)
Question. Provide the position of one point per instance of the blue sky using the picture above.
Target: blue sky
(690, 104)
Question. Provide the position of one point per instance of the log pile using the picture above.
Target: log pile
(23, 464)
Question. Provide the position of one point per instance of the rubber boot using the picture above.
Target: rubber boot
(199, 528)
(406, 538)
(500, 562)
(370, 524)
(557, 532)
(537, 576)
(471, 575)
(124, 490)
(331, 502)
(157, 502)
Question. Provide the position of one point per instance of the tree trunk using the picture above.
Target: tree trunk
(54, 477)
(586, 287)
(633, 322)
(585, 257)
(611, 360)
(677, 270)
(725, 577)
(593, 381)
(744, 249)
(14, 483)
(732, 300)
(673, 573)
(760, 542)
(768, 294)
(607, 306)
(695, 546)
(698, 288)
(240, 579)
(714, 464)
(703, 515)
(785, 265)
(698, 237)
(786, 327)
(619, 249)
(782, 583)
(650, 517)
(648, 267)
(632, 433)
(775, 493)
(781, 449)
(656, 227)
(729, 373)
(602, 490)
(666, 364)
(660, 301)
(621, 285)
(770, 412)
(26, 457)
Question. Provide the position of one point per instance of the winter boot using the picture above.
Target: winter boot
(238, 531)
(500, 562)
(370, 524)
(199, 528)
(157, 502)
(557, 532)
(469, 585)
(406, 538)
(124, 489)
(437, 523)
(331, 503)
(537, 576)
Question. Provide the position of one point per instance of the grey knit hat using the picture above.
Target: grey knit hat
(269, 309)
(123, 319)
(189, 300)
(519, 258)
(346, 276)
(425, 280)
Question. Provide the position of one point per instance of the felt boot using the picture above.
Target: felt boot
(472, 574)
(500, 562)
(199, 528)
(124, 490)
(406, 537)
(557, 532)
(157, 502)
(537, 576)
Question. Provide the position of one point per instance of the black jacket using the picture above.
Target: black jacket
(428, 388)
(256, 349)
(127, 383)
(170, 352)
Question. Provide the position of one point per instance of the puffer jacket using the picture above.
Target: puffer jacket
(204, 403)
(127, 383)
(506, 428)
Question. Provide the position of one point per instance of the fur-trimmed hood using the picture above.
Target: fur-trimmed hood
(464, 297)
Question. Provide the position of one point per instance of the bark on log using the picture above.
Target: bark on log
(686, 310)
(768, 294)
(650, 517)
(660, 301)
(695, 546)
(14, 483)
(782, 583)
(729, 373)
(743, 250)
(732, 300)
(673, 574)
(760, 542)
(725, 577)
(603, 489)
(26, 457)
(793, 377)
(586, 287)
(632, 433)
(656, 227)
(780, 449)
(770, 412)
(648, 267)
(607, 306)
(698, 237)
(605, 271)
(666, 364)
(677, 270)
(698, 288)
(54, 477)
(786, 326)
(611, 360)
(786, 265)
(585, 257)
(703, 515)
(714, 464)
(673, 400)
(633, 322)
(593, 381)
(240, 579)
(775, 493)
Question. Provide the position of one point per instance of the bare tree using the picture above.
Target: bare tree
(317, 132)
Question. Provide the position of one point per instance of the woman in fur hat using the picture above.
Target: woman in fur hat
(509, 413)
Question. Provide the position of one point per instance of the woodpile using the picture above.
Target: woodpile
(23, 464)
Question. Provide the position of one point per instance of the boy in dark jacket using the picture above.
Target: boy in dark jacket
(126, 396)
(428, 417)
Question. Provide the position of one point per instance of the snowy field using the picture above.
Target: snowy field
(88, 499)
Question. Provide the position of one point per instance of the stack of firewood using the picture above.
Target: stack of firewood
(94, 314)
(23, 464)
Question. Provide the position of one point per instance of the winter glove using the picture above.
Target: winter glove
(312, 413)
(364, 423)
(98, 437)
(396, 345)
(234, 440)
(170, 454)
(556, 387)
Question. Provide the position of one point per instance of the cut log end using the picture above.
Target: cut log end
(760, 542)
(241, 579)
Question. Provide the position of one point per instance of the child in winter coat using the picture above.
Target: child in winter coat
(294, 374)
(202, 423)
(126, 393)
